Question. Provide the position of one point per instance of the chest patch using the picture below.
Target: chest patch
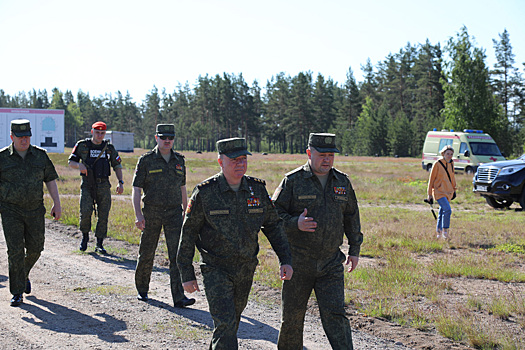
(253, 202)
(309, 196)
(340, 190)
(219, 212)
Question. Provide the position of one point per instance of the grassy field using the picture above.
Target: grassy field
(404, 271)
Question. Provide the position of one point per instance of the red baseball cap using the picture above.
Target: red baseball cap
(99, 126)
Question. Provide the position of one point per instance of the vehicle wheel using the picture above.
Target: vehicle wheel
(497, 203)
(469, 170)
(429, 167)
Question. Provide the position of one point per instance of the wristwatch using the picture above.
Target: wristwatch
(121, 182)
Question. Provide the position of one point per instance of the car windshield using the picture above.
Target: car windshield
(485, 149)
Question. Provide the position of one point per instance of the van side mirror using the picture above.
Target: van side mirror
(466, 153)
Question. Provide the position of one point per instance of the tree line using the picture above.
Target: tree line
(400, 99)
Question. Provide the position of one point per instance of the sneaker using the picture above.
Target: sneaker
(142, 296)
(446, 235)
(100, 248)
(438, 234)
(17, 300)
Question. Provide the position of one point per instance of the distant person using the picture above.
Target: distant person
(442, 187)
(24, 168)
(162, 174)
(223, 220)
(93, 157)
(319, 207)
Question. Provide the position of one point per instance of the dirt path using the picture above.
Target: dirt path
(88, 301)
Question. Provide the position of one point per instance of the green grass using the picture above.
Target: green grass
(409, 270)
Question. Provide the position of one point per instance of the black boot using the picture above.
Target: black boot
(100, 248)
(84, 242)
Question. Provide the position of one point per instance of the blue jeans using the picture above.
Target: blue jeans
(443, 220)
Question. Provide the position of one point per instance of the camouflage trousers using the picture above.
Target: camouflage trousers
(103, 205)
(158, 218)
(227, 294)
(24, 237)
(326, 278)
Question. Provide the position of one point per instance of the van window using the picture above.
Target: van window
(485, 149)
(463, 147)
(443, 143)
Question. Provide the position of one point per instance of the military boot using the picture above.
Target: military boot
(84, 241)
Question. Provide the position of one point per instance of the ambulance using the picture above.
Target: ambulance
(471, 148)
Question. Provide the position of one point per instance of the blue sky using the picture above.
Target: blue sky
(105, 46)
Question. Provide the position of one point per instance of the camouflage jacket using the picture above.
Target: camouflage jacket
(224, 225)
(334, 208)
(21, 180)
(161, 181)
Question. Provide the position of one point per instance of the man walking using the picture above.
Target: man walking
(93, 157)
(318, 206)
(223, 220)
(23, 170)
(161, 173)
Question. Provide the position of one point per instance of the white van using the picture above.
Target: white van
(471, 148)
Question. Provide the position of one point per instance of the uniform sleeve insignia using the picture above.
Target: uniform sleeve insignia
(118, 159)
(340, 190)
(188, 208)
(178, 167)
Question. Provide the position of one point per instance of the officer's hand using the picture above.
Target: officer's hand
(352, 262)
(305, 223)
(191, 286)
(82, 168)
(120, 188)
(56, 211)
(286, 272)
(140, 222)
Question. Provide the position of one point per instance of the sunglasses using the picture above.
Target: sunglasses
(167, 137)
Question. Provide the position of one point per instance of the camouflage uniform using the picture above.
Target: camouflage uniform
(162, 199)
(22, 209)
(316, 255)
(87, 152)
(224, 225)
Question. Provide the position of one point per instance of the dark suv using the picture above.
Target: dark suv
(501, 183)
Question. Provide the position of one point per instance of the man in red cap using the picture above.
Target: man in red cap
(93, 157)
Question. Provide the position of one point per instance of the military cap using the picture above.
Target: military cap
(99, 126)
(233, 148)
(165, 129)
(323, 143)
(21, 127)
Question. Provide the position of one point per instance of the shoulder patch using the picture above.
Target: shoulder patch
(295, 171)
(207, 182)
(250, 178)
(339, 172)
(179, 154)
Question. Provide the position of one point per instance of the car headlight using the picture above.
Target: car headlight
(510, 170)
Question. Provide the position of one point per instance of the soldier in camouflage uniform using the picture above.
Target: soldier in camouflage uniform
(318, 206)
(23, 170)
(162, 174)
(97, 155)
(223, 220)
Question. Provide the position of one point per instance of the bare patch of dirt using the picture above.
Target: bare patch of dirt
(88, 301)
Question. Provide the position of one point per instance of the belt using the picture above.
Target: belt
(100, 180)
